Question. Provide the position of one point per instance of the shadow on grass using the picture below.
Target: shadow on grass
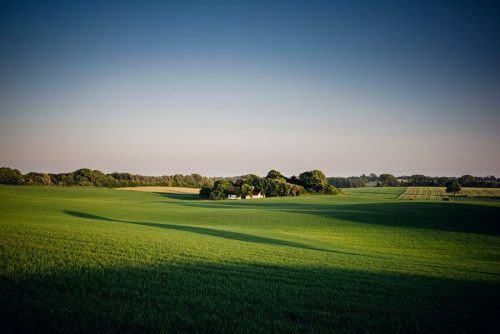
(453, 217)
(211, 232)
(248, 298)
(237, 236)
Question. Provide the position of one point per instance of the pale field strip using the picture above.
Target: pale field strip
(438, 193)
(166, 190)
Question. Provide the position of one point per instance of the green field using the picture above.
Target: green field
(438, 193)
(103, 260)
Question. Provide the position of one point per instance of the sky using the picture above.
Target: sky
(226, 88)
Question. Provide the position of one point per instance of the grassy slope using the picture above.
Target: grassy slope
(85, 259)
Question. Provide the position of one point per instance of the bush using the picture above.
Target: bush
(205, 192)
(332, 190)
(10, 176)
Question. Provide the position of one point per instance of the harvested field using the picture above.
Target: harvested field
(438, 193)
(166, 190)
(481, 192)
(428, 193)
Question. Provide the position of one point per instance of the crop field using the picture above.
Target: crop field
(438, 193)
(481, 192)
(167, 190)
(428, 193)
(101, 260)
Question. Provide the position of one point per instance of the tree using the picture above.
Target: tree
(10, 176)
(253, 180)
(347, 182)
(33, 178)
(246, 190)
(283, 188)
(314, 181)
(388, 180)
(332, 190)
(46, 179)
(275, 175)
(294, 180)
(452, 186)
(466, 180)
(296, 190)
(419, 180)
(270, 187)
(218, 191)
(205, 192)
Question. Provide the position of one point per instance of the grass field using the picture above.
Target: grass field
(438, 193)
(102, 260)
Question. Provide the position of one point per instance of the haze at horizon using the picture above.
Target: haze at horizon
(224, 88)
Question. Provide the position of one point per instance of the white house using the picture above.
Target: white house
(255, 194)
(234, 193)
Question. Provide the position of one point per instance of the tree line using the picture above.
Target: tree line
(89, 177)
(274, 184)
(417, 180)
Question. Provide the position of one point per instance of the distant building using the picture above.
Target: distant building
(255, 194)
(234, 193)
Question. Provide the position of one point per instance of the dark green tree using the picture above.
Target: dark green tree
(252, 180)
(270, 187)
(314, 181)
(387, 180)
(10, 176)
(452, 186)
(466, 180)
(205, 192)
(220, 189)
(246, 190)
(275, 175)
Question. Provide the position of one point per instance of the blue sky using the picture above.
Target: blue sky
(236, 87)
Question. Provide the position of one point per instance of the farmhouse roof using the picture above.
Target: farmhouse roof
(233, 191)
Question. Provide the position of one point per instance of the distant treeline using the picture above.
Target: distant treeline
(389, 180)
(89, 177)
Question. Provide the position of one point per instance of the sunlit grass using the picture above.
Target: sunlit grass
(85, 259)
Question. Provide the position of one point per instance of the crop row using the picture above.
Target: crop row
(426, 193)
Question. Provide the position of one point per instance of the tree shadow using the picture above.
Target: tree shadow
(212, 232)
(242, 298)
(237, 236)
(452, 217)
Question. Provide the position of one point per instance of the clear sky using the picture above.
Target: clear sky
(233, 87)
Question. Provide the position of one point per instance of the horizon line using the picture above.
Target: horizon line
(24, 172)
